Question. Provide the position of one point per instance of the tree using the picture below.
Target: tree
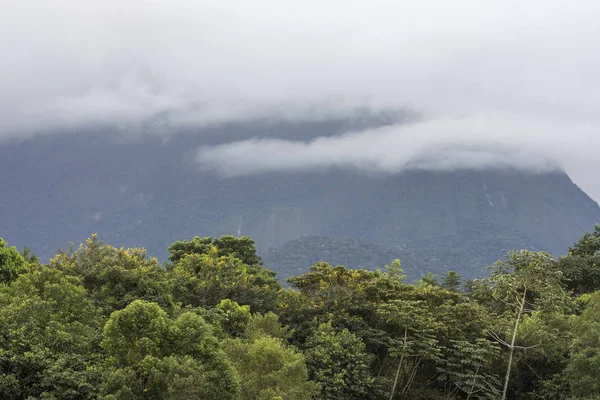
(178, 250)
(526, 281)
(233, 318)
(394, 271)
(29, 256)
(343, 296)
(242, 248)
(451, 280)
(589, 244)
(582, 371)
(116, 277)
(338, 360)
(152, 356)
(206, 279)
(581, 267)
(141, 329)
(467, 364)
(268, 367)
(416, 339)
(12, 263)
(429, 279)
(266, 325)
(49, 337)
(539, 370)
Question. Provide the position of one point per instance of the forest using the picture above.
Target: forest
(102, 322)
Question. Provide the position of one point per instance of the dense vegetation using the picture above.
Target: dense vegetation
(212, 323)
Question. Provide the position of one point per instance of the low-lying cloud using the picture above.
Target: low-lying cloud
(472, 142)
(497, 82)
(480, 141)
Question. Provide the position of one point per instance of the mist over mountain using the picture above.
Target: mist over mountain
(145, 193)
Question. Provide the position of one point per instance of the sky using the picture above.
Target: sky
(497, 83)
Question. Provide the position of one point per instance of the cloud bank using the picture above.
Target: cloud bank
(474, 142)
(497, 82)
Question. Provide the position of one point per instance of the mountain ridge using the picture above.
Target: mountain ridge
(143, 193)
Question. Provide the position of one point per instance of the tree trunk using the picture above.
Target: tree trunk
(400, 363)
(512, 345)
(473, 385)
(411, 377)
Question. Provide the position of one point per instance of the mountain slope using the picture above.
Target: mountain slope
(145, 193)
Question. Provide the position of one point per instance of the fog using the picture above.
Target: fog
(497, 83)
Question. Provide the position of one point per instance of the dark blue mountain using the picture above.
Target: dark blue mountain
(62, 188)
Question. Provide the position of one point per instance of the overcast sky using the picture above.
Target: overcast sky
(497, 82)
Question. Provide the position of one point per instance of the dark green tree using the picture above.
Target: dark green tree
(451, 280)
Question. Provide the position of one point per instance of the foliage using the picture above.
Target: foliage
(12, 263)
(205, 279)
(339, 362)
(584, 363)
(581, 267)
(241, 248)
(269, 368)
(152, 356)
(466, 365)
(116, 277)
(233, 318)
(102, 322)
(49, 337)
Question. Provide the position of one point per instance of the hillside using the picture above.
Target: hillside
(146, 193)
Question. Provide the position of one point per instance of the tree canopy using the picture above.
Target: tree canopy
(101, 322)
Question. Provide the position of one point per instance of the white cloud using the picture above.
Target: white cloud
(480, 141)
(69, 63)
(486, 69)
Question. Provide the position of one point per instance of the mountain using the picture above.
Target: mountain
(146, 193)
(435, 221)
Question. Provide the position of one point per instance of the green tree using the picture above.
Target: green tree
(416, 341)
(581, 267)
(451, 280)
(242, 248)
(29, 256)
(49, 338)
(206, 279)
(343, 296)
(394, 271)
(429, 279)
(116, 277)
(539, 371)
(582, 371)
(467, 366)
(339, 362)
(270, 369)
(267, 325)
(12, 263)
(525, 282)
(233, 318)
(154, 357)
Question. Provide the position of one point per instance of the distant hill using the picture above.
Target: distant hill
(292, 258)
(145, 193)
